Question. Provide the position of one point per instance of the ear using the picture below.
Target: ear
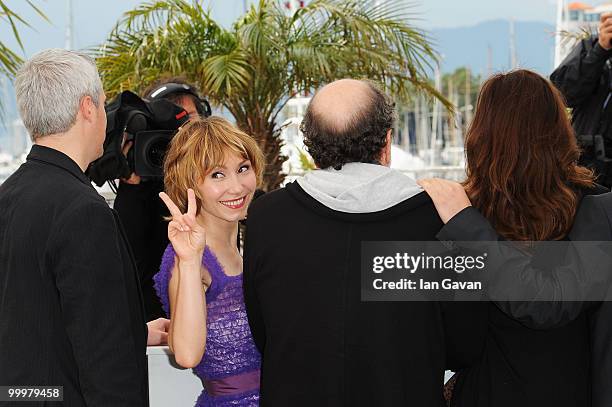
(385, 155)
(87, 108)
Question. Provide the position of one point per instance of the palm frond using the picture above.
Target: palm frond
(362, 39)
(572, 38)
(9, 60)
(227, 74)
(270, 55)
(38, 11)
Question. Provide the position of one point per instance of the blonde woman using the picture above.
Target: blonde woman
(210, 174)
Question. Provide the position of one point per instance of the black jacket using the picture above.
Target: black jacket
(323, 346)
(142, 214)
(597, 225)
(585, 78)
(550, 357)
(70, 305)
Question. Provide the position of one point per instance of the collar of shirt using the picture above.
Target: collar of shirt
(58, 159)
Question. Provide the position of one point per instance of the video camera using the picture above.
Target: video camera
(150, 125)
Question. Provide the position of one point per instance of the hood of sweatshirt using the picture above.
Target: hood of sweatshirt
(359, 187)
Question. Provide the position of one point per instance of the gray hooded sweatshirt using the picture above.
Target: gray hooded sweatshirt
(359, 187)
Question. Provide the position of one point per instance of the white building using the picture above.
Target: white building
(575, 18)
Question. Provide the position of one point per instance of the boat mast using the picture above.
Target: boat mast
(69, 26)
(562, 13)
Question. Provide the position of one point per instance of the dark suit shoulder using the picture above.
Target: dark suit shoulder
(276, 195)
(601, 201)
(48, 194)
(593, 218)
(60, 184)
(269, 209)
(596, 189)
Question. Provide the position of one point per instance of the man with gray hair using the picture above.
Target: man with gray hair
(70, 301)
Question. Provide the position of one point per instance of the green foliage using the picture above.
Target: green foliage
(9, 60)
(572, 38)
(458, 80)
(306, 161)
(269, 55)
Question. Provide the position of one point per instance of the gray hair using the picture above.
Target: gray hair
(50, 87)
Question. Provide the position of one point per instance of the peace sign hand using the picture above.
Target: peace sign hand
(187, 236)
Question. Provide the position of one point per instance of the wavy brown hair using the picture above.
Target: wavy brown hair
(522, 171)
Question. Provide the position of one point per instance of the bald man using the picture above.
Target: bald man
(321, 345)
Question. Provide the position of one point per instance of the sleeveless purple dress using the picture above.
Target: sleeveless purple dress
(230, 366)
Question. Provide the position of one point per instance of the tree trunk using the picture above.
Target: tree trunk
(268, 138)
(273, 174)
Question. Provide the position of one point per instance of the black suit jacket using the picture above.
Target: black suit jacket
(142, 216)
(321, 345)
(593, 223)
(70, 304)
(584, 78)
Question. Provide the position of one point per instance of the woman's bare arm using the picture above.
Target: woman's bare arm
(187, 333)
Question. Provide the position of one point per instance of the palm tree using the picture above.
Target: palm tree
(9, 60)
(268, 56)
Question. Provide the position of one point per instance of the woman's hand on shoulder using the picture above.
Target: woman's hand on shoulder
(449, 197)
(187, 236)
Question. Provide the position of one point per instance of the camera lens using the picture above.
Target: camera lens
(157, 151)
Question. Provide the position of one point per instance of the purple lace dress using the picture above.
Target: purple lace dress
(230, 366)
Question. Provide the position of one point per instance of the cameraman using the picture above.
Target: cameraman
(137, 202)
(585, 79)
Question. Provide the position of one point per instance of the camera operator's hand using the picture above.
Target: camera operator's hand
(133, 179)
(184, 232)
(158, 332)
(605, 31)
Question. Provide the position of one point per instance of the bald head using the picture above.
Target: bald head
(347, 121)
(341, 102)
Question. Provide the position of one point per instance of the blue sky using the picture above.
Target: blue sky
(457, 13)
(94, 19)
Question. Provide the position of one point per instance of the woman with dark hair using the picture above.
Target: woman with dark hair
(522, 171)
(523, 176)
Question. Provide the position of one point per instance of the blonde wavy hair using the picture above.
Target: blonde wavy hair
(199, 146)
